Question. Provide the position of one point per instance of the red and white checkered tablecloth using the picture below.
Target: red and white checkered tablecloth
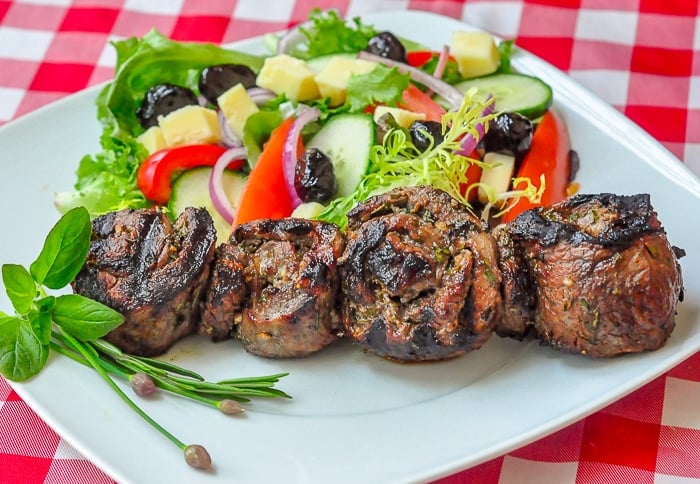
(641, 56)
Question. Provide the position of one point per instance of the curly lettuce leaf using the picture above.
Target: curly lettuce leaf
(329, 34)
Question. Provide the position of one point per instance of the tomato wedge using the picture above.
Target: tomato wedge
(156, 172)
(265, 194)
(418, 58)
(417, 101)
(549, 156)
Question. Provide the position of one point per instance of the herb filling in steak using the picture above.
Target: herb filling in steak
(152, 271)
(419, 275)
(605, 279)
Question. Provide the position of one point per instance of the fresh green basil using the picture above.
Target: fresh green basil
(64, 250)
(22, 355)
(83, 318)
(20, 287)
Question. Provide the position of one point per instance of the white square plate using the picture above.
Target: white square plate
(354, 417)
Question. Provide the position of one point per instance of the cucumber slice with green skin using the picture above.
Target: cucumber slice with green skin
(347, 140)
(518, 93)
(191, 189)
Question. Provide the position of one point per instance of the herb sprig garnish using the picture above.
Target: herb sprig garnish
(73, 325)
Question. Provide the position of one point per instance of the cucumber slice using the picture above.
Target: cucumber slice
(191, 189)
(347, 140)
(517, 93)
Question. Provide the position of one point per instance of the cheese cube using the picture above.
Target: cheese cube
(497, 176)
(190, 125)
(152, 139)
(288, 75)
(476, 53)
(333, 79)
(237, 106)
(403, 117)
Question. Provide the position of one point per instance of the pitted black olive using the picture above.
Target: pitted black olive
(161, 100)
(425, 134)
(385, 44)
(216, 80)
(314, 178)
(509, 133)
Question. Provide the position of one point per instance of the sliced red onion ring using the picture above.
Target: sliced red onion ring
(292, 37)
(305, 115)
(228, 138)
(469, 142)
(447, 91)
(442, 62)
(216, 183)
(260, 95)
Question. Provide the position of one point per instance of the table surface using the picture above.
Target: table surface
(641, 56)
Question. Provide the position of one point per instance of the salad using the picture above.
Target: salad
(336, 113)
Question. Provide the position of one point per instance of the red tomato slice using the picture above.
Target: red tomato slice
(548, 156)
(417, 101)
(265, 194)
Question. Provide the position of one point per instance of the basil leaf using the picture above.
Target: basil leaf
(84, 318)
(64, 251)
(21, 353)
(20, 286)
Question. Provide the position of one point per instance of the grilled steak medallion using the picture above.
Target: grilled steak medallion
(150, 270)
(517, 288)
(291, 277)
(419, 275)
(605, 278)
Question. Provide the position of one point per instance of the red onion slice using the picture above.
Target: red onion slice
(305, 115)
(447, 91)
(216, 183)
(292, 38)
(469, 142)
(228, 138)
(260, 95)
(442, 62)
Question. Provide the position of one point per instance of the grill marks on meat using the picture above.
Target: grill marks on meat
(419, 276)
(152, 271)
(278, 282)
(607, 280)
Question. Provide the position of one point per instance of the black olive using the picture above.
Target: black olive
(314, 178)
(385, 44)
(161, 100)
(509, 133)
(425, 134)
(216, 80)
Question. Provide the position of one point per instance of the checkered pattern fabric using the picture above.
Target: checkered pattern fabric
(641, 56)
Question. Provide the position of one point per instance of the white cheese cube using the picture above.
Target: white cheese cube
(237, 106)
(288, 75)
(190, 125)
(497, 176)
(403, 117)
(476, 53)
(152, 139)
(333, 79)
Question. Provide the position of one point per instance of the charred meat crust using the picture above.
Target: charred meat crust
(152, 271)
(293, 284)
(607, 280)
(419, 276)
